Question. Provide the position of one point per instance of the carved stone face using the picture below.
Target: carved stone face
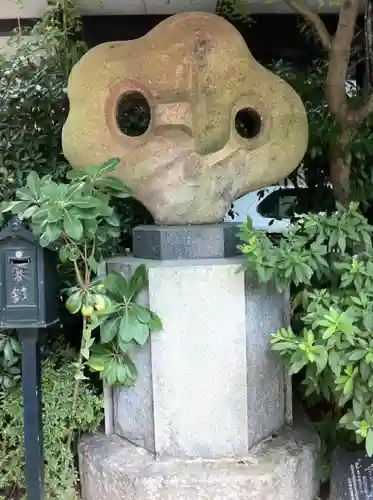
(215, 123)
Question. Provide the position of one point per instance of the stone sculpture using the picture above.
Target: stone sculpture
(216, 124)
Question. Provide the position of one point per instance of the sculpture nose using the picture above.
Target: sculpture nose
(174, 115)
(211, 128)
(208, 127)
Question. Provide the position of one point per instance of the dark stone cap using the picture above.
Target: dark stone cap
(186, 242)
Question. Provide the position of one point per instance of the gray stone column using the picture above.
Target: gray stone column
(208, 384)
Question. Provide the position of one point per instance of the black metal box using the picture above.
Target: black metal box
(28, 280)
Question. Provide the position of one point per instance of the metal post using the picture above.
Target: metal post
(32, 413)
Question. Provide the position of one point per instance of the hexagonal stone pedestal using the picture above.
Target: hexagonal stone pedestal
(207, 418)
(208, 384)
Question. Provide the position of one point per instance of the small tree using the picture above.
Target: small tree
(347, 115)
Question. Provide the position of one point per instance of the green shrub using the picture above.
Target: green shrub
(58, 386)
(329, 259)
(78, 219)
(33, 102)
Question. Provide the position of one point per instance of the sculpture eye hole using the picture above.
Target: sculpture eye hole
(133, 114)
(248, 123)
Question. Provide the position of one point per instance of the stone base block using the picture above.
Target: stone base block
(282, 468)
(210, 241)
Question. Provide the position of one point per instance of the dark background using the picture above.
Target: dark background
(269, 37)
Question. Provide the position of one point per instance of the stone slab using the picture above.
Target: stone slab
(352, 476)
(282, 468)
(186, 242)
(213, 353)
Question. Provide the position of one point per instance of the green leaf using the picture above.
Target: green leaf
(343, 399)
(108, 166)
(358, 407)
(93, 264)
(329, 332)
(109, 374)
(50, 235)
(8, 353)
(113, 232)
(64, 254)
(55, 213)
(131, 368)
(109, 329)
(142, 333)
(342, 242)
(25, 194)
(16, 346)
(348, 387)
(72, 227)
(29, 212)
(357, 355)
(138, 281)
(142, 314)
(155, 324)
(345, 325)
(40, 216)
(283, 346)
(74, 302)
(297, 366)
(118, 190)
(116, 284)
(321, 358)
(125, 346)
(368, 321)
(96, 363)
(76, 174)
(50, 190)
(88, 202)
(365, 370)
(74, 253)
(128, 326)
(33, 183)
(369, 443)
(16, 207)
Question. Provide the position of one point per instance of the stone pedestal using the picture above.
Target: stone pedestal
(210, 415)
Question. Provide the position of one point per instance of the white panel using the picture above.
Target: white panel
(12, 9)
(112, 7)
(175, 6)
(281, 7)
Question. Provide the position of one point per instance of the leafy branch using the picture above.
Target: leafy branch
(77, 219)
(329, 261)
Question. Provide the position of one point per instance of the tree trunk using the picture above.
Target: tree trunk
(340, 166)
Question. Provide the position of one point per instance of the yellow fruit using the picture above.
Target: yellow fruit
(100, 303)
(87, 310)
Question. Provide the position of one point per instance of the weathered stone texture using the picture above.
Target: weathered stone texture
(196, 73)
(283, 468)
